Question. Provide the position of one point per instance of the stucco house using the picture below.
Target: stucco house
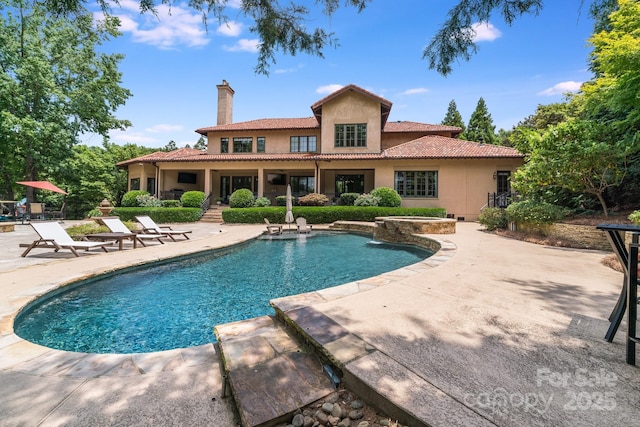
(347, 145)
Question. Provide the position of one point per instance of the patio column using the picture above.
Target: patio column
(260, 189)
(207, 182)
(316, 178)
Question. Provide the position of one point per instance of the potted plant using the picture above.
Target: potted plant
(218, 200)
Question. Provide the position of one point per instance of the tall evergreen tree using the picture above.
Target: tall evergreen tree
(453, 117)
(481, 127)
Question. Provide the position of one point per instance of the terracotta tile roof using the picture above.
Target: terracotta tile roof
(404, 126)
(164, 156)
(265, 124)
(427, 147)
(440, 147)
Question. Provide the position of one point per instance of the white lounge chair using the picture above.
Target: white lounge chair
(116, 226)
(53, 236)
(302, 225)
(273, 228)
(150, 227)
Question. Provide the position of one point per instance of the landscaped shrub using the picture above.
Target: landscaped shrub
(324, 214)
(92, 213)
(493, 218)
(262, 202)
(388, 197)
(147, 200)
(192, 199)
(534, 212)
(129, 198)
(313, 199)
(367, 200)
(281, 200)
(171, 203)
(242, 198)
(347, 199)
(160, 215)
(77, 232)
(635, 217)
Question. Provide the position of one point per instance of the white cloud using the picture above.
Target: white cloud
(230, 29)
(289, 70)
(132, 137)
(244, 45)
(560, 88)
(485, 31)
(327, 89)
(163, 127)
(415, 91)
(168, 28)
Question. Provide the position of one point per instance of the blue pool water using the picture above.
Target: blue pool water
(177, 304)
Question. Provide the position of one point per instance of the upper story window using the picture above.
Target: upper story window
(224, 145)
(302, 144)
(243, 145)
(261, 142)
(417, 183)
(353, 135)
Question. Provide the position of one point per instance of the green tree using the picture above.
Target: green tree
(453, 117)
(481, 127)
(91, 175)
(54, 86)
(614, 95)
(286, 27)
(201, 144)
(576, 155)
(171, 145)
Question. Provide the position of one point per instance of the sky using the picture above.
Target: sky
(173, 63)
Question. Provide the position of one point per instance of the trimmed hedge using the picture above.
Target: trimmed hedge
(160, 215)
(323, 214)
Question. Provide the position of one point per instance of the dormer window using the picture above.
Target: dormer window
(351, 135)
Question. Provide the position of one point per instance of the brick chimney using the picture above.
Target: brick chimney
(225, 103)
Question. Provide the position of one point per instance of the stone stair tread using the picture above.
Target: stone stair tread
(269, 374)
(269, 392)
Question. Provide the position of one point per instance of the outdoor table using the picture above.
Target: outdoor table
(116, 237)
(628, 299)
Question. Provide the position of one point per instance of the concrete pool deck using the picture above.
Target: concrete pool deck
(503, 333)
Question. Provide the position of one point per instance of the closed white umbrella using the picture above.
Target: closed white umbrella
(289, 216)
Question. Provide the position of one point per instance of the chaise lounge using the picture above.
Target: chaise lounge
(150, 227)
(116, 226)
(53, 236)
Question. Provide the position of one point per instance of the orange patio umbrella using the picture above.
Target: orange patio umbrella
(43, 185)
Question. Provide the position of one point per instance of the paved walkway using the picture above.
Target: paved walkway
(507, 332)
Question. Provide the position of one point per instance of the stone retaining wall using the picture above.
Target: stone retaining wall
(587, 236)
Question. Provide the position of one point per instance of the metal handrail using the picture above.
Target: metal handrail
(205, 205)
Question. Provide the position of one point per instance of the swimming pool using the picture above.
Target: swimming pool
(177, 304)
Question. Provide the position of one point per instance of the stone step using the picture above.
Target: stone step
(269, 374)
(212, 215)
(375, 377)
